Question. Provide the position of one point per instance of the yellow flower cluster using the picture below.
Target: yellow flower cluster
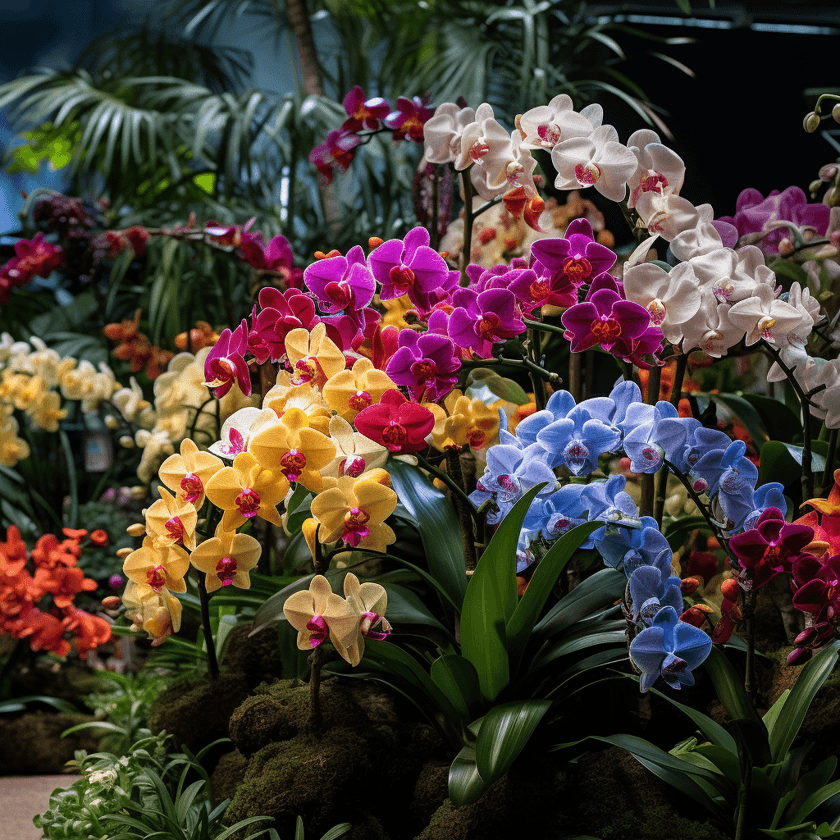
(33, 379)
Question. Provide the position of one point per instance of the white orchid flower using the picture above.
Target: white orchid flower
(764, 316)
(443, 132)
(659, 168)
(545, 126)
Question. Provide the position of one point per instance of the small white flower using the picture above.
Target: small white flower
(545, 126)
(764, 316)
(659, 168)
(443, 132)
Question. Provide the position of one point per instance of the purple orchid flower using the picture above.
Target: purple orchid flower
(408, 266)
(651, 590)
(341, 283)
(225, 364)
(425, 364)
(607, 320)
(577, 256)
(669, 648)
(478, 321)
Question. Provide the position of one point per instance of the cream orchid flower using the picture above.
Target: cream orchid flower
(369, 601)
(187, 473)
(239, 428)
(443, 132)
(354, 453)
(319, 614)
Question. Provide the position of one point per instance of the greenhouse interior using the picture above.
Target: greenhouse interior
(419, 420)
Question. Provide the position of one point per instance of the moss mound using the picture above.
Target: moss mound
(257, 658)
(228, 775)
(32, 745)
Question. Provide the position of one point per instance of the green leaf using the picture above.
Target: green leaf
(505, 730)
(457, 679)
(491, 601)
(745, 412)
(528, 610)
(465, 783)
(813, 674)
(781, 423)
(499, 386)
(437, 524)
(337, 831)
(711, 730)
(405, 607)
(729, 688)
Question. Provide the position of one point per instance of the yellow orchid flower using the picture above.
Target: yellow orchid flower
(45, 411)
(350, 391)
(171, 521)
(227, 559)
(154, 569)
(295, 449)
(355, 511)
(158, 613)
(246, 490)
(307, 398)
(354, 453)
(319, 614)
(370, 600)
(187, 473)
(463, 422)
(313, 357)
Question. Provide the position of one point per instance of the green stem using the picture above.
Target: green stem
(661, 490)
(449, 482)
(749, 618)
(646, 504)
(434, 233)
(540, 397)
(828, 474)
(469, 219)
(575, 375)
(531, 367)
(543, 327)
(453, 468)
(204, 598)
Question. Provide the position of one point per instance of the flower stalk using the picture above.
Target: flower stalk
(453, 467)
(204, 598)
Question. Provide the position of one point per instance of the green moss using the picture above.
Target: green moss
(32, 744)
(256, 657)
(196, 710)
(228, 775)
(657, 824)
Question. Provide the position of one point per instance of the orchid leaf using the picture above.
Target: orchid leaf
(465, 783)
(729, 688)
(457, 679)
(505, 730)
(785, 727)
(528, 610)
(491, 601)
(437, 524)
(747, 414)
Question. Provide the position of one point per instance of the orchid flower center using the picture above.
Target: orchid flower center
(191, 488)
(578, 269)
(355, 527)
(175, 528)
(549, 134)
(675, 666)
(318, 630)
(476, 438)
(658, 311)
(338, 293)
(488, 326)
(248, 503)
(652, 454)
(576, 455)
(226, 569)
(223, 371)
(711, 340)
(424, 370)
(292, 464)
(539, 290)
(587, 174)
(360, 400)
(510, 487)
(514, 173)
(306, 370)
(723, 289)
(730, 481)
(369, 621)
(156, 578)
(765, 327)
(402, 277)
(478, 150)
(394, 435)
(353, 467)
(606, 330)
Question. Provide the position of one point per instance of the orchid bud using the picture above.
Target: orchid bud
(799, 656)
(122, 553)
(112, 602)
(806, 636)
(136, 530)
(824, 632)
(786, 247)
(126, 442)
(827, 172)
(688, 586)
(730, 590)
(811, 122)
(835, 113)
(814, 188)
(832, 196)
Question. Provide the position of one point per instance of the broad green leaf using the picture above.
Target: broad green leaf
(815, 799)
(405, 607)
(337, 831)
(711, 730)
(751, 740)
(499, 386)
(528, 610)
(594, 593)
(729, 688)
(772, 714)
(437, 524)
(813, 674)
(465, 783)
(457, 679)
(781, 423)
(599, 633)
(490, 602)
(505, 730)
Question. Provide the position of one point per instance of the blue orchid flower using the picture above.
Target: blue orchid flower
(731, 477)
(630, 548)
(577, 441)
(659, 436)
(768, 495)
(607, 501)
(700, 442)
(559, 404)
(651, 589)
(669, 648)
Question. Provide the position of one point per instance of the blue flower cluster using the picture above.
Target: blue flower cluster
(575, 436)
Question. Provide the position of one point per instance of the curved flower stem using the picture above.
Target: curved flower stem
(750, 687)
(485, 207)
(704, 511)
(647, 481)
(662, 476)
(453, 467)
(543, 327)
(537, 382)
(204, 598)
(531, 367)
(805, 402)
(449, 481)
(469, 219)
(434, 233)
(575, 370)
(828, 474)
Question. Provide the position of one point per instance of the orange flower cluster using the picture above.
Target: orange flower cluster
(56, 576)
(134, 347)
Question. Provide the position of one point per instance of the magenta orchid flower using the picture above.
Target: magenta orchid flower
(604, 319)
(225, 364)
(408, 266)
(337, 150)
(577, 256)
(363, 113)
(408, 120)
(478, 321)
(425, 364)
(341, 283)
(281, 313)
